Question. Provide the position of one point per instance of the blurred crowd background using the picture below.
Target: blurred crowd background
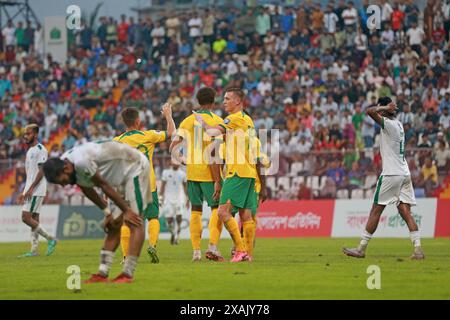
(310, 71)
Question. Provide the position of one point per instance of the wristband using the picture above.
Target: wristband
(107, 211)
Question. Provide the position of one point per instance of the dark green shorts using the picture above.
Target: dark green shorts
(198, 191)
(240, 192)
(235, 210)
(152, 210)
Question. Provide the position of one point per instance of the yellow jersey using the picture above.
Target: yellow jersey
(197, 141)
(241, 146)
(145, 142)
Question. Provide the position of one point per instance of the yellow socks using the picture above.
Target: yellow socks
(124, 239)
(195, 229)
(249, 235)
(233, 228)
(215, 227)
(153, 231)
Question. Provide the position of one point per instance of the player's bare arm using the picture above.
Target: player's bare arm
(129, 216)
(175, 147)
(92, 195)
(262, 179)
(167, 113)
(376, 112)
(212, 131)
(216, 169)
(177, 141)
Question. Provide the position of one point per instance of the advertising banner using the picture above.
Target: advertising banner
(85, 222)
(12, 229)
(80, 222)
(443, 218)
(295, 219)
(55, 37)
(350, 218)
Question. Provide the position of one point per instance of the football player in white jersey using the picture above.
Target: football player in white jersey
(394, 184)
(122, 173)
(174, 191)
(35, 190)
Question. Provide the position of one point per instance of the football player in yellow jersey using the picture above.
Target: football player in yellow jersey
(263, 161)
(238, 188)
(145, 142)
(203, 175)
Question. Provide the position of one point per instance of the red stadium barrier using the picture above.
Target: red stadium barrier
(308, 218)
(443, 218)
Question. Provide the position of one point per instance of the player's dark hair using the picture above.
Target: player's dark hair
(129, 116)
(53, 168)
(205, 96)
(238, 91)
(384, 101)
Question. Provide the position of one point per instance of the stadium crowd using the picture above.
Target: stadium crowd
(309, 70)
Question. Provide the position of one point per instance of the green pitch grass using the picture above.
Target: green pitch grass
(302, 268)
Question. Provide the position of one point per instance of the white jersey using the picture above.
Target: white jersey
(174, 191)
(116, 162)
(35, 156)
(392, 147)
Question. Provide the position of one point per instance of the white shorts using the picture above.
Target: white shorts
(136, 193)
(393, 190)
(33, 205)
(171, 210)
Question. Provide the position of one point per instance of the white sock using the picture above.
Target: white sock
(34, 241)
(365, 238)
(415, 238)
(130, 265)
(106, 261)
(198, 252)
(43, 233)
(212, 247)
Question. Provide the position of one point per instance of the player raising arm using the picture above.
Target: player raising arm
(238, 188)
(394, 184)
(145, 142)
(203, 174)
(122, 174)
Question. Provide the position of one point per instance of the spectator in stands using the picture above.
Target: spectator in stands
(443, 157)
(444, 120)
(336, 172)
(329, 189)
(283, 194)
(430, 175)
(355, 178)
(426, 143)
(292, 80)
(304, 193)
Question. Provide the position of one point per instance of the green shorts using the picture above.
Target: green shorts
(240, 192)
(235, 210)
(152, 210)
(198, 191)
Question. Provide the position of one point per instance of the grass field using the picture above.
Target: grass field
(301, 268)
